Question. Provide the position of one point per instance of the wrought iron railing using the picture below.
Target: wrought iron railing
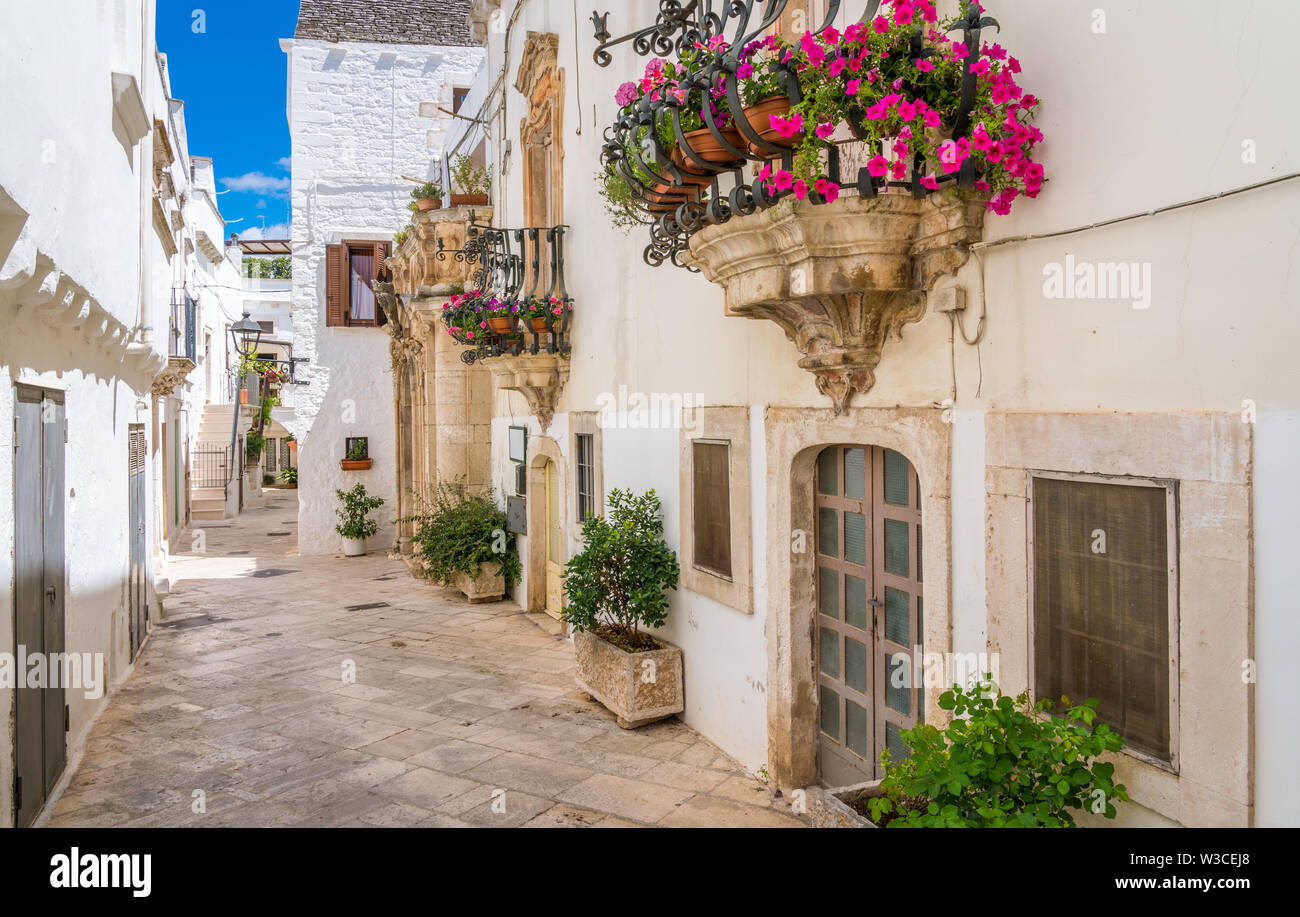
(514, 268)
(212, 466)
(633, 148)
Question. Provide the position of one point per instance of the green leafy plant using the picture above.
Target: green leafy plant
(469, 178)
(460, 531)
(277, 268)
(357, 451)
(289, 475)
(621, 204)
(427, 190)
(1001, 763)
(617, 583)
(253, 443)
(400, 236)
(354, 513)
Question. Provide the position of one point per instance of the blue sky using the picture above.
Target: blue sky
(227, 66)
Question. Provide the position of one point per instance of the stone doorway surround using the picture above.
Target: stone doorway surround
(540, 449)
(794, 437)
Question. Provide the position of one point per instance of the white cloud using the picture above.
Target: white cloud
(261, 203)
(273, 231)
(285, 162)
(257, 183)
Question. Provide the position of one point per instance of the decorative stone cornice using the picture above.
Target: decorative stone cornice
(416, 263)
(174, 374)
(539, 378)
(842, 278)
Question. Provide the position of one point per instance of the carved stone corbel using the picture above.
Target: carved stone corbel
(840, 279)
(539, 378)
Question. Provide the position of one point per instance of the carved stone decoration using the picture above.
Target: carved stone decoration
(539, 378)
(174, 375)
(541, 129)
(840, 279)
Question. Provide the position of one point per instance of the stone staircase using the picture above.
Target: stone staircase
(208, 502)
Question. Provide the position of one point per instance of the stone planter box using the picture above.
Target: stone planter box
(827, 807)
(489, 587)
(618, 679)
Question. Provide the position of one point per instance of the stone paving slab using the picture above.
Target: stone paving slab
(451, 715)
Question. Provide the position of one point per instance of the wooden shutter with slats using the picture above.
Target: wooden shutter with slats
(336, 285)
(382, 252)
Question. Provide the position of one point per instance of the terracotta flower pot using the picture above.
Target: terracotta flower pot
(706, 146)
(759, 115)
(691, 174)
(665, 198)
(469, 200)
(538, 324)
(428, 203)
(501, 324)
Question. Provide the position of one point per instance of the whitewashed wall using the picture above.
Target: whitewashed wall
(1141, 111)
(354, 114)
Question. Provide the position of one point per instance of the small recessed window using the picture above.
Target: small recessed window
(586, 477)
(1105, 602)
(712, 506)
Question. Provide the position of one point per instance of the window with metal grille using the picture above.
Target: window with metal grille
(584, 447)
(1105, 602)
(712, 506)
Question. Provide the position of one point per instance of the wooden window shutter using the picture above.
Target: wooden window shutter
(336, 285)
(382, 252)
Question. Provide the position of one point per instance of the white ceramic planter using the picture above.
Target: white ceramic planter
(354, 547)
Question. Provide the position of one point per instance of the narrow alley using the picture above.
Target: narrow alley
(239, 712)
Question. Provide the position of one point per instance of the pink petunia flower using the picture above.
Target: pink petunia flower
(851, 87)
(825, 129)
(924, 65)
(800, 190)
(877, 165)
(880, 24)
(827, 189)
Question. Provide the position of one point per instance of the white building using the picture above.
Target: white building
(110, 246)
(1191, 398)
(366, 85)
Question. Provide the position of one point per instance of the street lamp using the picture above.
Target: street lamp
(247, 335)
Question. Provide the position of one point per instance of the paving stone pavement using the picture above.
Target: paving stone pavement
(459, 714)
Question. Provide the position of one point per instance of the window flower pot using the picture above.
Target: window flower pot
(638, 688)
(539, 325)
(354, 547)
(691, 174)
(489, 586)
(706, 146)
(759, 115)
(425, 204)
(355, 464)
(501, 324)
(665, 198)
(469, 200)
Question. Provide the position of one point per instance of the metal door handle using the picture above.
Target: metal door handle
(875, 603)
(50, 593)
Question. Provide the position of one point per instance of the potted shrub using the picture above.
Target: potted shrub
(426, 197)
(543, 313)
(500, 314)
(615, 586)
(289, 476)
(474, 183)
(355, 524)
(1000, 762)
(357, 457)
(463, 542)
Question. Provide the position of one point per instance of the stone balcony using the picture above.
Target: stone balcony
(842, 278)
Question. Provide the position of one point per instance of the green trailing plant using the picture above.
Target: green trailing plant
(289, 475)
(357, 452)
(617, 584)
(1001, 763)
(620, 202)
(460, 531)
(469, 178)
(354, 513)
(253, 443)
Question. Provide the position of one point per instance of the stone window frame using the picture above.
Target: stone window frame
(1209, 454)
(1172, 543)
(586, 423)
(540, 80)
(732, 426)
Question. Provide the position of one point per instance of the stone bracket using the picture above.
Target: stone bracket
(539, 378)
(840, 279)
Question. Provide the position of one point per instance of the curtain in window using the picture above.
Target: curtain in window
(363, 295)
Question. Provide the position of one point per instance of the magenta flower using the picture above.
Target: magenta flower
(980, 67)
(880, 24)
(851, 87)
(877, 165)
(626, 95)
(907, 110)
(783, 180)
(932, 118)
(930, 182)
(924, 65)
(786, 127)
(800, 190)
(827, 189)
(825, 129)
(832, 36)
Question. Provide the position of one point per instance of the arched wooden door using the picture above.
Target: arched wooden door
(869, 609)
